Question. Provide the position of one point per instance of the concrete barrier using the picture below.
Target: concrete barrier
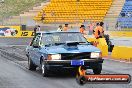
(119, 33)
(122, 53)
(101, 44)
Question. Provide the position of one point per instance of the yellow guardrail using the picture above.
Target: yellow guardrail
(122, 53)
(101, 44)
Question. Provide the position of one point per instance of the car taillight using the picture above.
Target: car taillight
(49, 57)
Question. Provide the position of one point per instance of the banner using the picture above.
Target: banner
(26, 34)
(14, 31)
(9, 31)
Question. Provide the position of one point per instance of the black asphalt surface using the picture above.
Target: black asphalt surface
(14, 72)
(15, 41)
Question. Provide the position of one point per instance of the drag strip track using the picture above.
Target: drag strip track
(15, 41)
(14, 73)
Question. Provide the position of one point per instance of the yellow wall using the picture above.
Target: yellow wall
(120, 33)
(102, 45)
(122, 53)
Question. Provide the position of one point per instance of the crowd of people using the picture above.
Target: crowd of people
(96, 29)
(65, 28)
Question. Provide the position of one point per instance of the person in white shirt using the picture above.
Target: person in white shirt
(38, 28)
(60, 28)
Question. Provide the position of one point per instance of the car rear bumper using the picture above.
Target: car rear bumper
(89, 63)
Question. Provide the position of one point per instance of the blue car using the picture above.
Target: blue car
(62, 50)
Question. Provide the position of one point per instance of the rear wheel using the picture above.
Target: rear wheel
(31, 65)
(98, 69)
(44, 69)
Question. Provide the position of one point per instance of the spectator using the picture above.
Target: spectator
(52, 13)
(35, 30)
(82, 29)
(123, 14)
(107, 26)
(60, 28)
(84, 22)
(129, 14)
(38, 28)
(97, 25)
(90, 28)
(65, 27)
(99, 31)
(43, 15)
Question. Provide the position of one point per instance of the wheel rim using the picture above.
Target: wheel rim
(43, 68)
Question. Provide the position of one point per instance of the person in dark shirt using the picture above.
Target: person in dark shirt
(35, 30)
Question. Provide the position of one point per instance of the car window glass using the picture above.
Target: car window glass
(53, 38)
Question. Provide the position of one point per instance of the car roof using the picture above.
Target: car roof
(41, 32)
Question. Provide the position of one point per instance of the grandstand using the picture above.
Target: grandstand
(72, 11)
(125, 17)
(76, 11)
(113, 13)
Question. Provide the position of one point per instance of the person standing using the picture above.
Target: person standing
(82, 29)
(35, 30)
(99, 31)
(65, 27)
(107, 26)
(90, 28)
(38, 28)
(43, 16)
(60, 28)
(97, 25)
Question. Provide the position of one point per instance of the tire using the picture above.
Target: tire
(31, 65)
(81, 80)
(98, 69)
(44, 70)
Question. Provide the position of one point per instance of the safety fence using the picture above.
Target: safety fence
(14, 31)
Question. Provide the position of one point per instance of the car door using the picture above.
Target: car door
(36, 50)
